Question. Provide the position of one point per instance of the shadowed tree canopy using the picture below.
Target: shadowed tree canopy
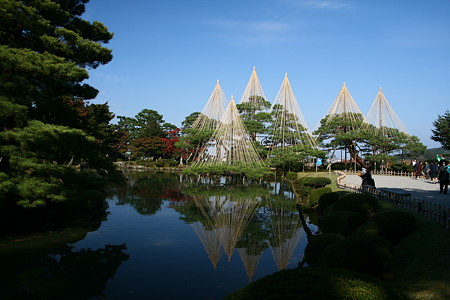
(49, 132)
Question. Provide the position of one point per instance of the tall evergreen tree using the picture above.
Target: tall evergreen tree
(441, 131)
(49, 132)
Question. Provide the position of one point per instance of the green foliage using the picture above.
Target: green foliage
(317, 193)
(341, 222)
(147, 135)
(364, 253)
(292, 176)
(166, 163)
(317, 244)
(254, 117)
(249, 171)
(346, 131)
(50, 134)
(441, 131)
(315, 182)
(360, 203)
(392, 225)
(316, 283)
(328, 199)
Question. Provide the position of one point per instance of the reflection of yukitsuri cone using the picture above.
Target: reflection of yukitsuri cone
(286, 234)
(250, 261)
(232, 221)
(210, 241)
(208, 233)
(283, 253)
(290, 128)
(382, 116)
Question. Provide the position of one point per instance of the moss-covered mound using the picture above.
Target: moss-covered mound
(360, 203)
(393, 225)
(364, 253)
(344, 223)
(316, 193)
(316, 283)
(317, 244)
(329, 199)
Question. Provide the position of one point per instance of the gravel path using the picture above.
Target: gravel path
(422, 189)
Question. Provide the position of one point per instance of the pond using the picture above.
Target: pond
(166, 236)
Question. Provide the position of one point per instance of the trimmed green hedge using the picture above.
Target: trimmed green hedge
(393, 225)
(317, 244)
(317, 193)
(364, 253)
(316, 283)
(329, 199)
(315, 182)
(344, 223)
(360, 203)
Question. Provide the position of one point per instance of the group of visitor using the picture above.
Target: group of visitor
(434, 172)
(426, 170)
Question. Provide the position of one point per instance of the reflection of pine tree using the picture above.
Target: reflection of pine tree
(145, 191)
(83, 273)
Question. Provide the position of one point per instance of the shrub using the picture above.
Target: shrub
(344, 223)
(328, 199)
(393, 225)
(317, 193)
(364, 253)
(315, 283)
(360, 203)
(317, 244)
(291, 176)
(315, 182)
(166, 163)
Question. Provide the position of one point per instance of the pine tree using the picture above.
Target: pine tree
(49, 132)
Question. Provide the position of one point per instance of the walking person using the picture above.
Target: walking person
(426, 170)
(444, 176)
(433, 172)
(418, 169)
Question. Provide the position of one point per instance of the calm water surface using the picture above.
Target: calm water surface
(166, 236)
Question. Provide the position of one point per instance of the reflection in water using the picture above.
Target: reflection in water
(259, 220)
(61, 274)
(285, 235)
(248, 218)
(146, 191)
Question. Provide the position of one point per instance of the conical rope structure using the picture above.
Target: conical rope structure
(286, 234)
(213, 111)
(383, 118)
(289, 128)
(345, 106)
(229, 144)
(253, 92)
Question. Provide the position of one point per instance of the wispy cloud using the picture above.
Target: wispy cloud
(320, 4)
(252, 32)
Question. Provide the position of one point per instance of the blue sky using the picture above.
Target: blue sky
(169, 54)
